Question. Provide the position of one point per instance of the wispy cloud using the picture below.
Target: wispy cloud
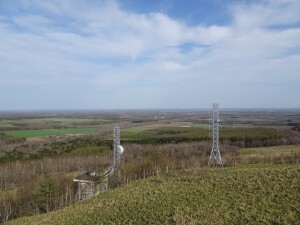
(94, 54)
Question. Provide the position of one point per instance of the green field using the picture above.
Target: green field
(48, 123)
(50, 132)
(265, 194)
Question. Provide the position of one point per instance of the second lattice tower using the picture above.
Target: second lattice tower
(215, 156)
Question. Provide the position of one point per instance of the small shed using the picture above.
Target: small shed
(90, 184)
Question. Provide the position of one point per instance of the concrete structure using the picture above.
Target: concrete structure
(90, 184)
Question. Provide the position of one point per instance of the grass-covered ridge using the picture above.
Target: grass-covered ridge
(265, 194)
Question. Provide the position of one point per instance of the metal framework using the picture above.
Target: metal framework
(117, 153)
(215, 156)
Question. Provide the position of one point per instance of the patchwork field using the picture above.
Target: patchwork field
(44, 148)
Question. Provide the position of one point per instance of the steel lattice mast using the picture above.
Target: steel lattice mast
(215, 156)
(116, 146)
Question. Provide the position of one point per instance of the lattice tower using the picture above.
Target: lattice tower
(215, 156)
(117, 153)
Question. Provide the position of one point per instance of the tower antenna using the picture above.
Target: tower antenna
(215, 156)
(117, 152)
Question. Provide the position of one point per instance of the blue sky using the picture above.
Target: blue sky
(96, 54)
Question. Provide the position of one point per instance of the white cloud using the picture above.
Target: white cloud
(99, 50)
(269, 13)
(32, 22)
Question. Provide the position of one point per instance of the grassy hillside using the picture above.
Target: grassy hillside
(259, 194)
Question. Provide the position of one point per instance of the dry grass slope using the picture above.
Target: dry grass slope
(258, 194)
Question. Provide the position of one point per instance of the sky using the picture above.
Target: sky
(133, 54)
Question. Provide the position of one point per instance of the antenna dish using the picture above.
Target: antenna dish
(121, 149)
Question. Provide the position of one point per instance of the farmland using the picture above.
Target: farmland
(50, 132)
(246, 195)
(47, 149)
